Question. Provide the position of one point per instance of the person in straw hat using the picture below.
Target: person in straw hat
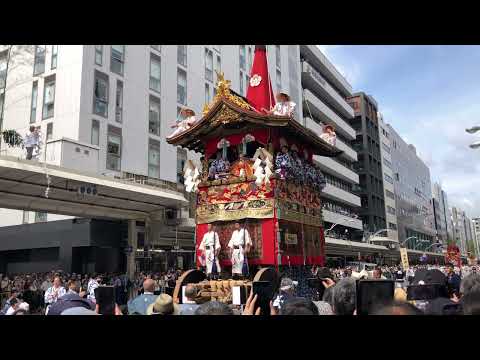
(283, 107)
(163, 305)
(329, 135)
(184, 122)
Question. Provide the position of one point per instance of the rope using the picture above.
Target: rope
(268, 78)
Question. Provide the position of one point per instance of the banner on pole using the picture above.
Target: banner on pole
(404, 256)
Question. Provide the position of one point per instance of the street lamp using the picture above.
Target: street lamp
(375, 234)
(328, 230)
(475, 145)
(473, 130)
(418, 243)
(411, 237)
(434, 244)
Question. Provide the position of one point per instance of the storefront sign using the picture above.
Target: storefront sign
(291, 239)
(404, 256)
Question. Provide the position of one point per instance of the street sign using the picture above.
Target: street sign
(404, 256)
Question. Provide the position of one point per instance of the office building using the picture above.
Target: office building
(369, 165)
(462, 229)
(413, 194)
(325, 92)
(388, 187)
(476, 234)
(440, 207)
(108, 109)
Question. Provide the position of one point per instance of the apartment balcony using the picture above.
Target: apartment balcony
(335, 218)
(330, 166)
(314, 81)
(337, 194)
(315, 57)
(322, 112)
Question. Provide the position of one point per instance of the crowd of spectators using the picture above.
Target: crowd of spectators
(151, 293)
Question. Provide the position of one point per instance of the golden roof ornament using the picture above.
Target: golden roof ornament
(223, 91)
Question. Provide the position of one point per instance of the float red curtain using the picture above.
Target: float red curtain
(259, 93)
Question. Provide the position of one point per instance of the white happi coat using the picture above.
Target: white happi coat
(240, 238)
(285, 108)
(209, 241)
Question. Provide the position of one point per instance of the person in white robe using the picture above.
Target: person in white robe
(186, 120)
(283, 107)
(53, 293)
(210, 247)
(239, 245)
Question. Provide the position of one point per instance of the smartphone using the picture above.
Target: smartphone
(372, 294)
(105, 298)
(264, 291)
(426, 292)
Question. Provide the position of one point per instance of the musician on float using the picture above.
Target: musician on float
(239, 245)
(184, 122)
(329, 135)
(210, 247)
(283, 107)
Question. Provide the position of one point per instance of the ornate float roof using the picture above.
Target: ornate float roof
(231, 114)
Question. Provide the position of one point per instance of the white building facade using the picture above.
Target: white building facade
(107, 109)
(324, 103)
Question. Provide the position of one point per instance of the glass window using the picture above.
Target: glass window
(279, 80)
(154, 116)
(49, 131)
(388, 178)
(40, 216)
(390, 210)
(208, 65)
(3, 69)
(100, 95)
(277, 56)
(114, 148)
(241, 83)
(386, 147)
(157, 47)
(33, 105)
(182, 55)
(155, 73)
(242, 57)
(119, 102)
(54, 56)
(181, 86)
(207, 94)
(48, 98)
(390, 194)
(249, 69)
(218, 66)
(39, 61)
(26, 215)
(99, 54)
(95, 139)
(117, 59)
(154, 158)
(1, 105)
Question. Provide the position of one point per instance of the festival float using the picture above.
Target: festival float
(256, 169)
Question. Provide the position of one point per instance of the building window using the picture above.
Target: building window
(386, 147)
(3, 69)
(117, 59)
(99, 54)
(39, 61)
(48, 98)
(390, 210)
(242, 57)
(54, 57)
(153, 158)
(218, 65)
(26, 216)
(279, 80)
(155, 73)
(181, 86)
(157, 47)
(182, 55)
(249, 59)
(388, 178)
(114, 148)
(277, 57)
(208, 65)
(95, 137)
(387, 163)
(33, 105)
(119, 102)
(154, 116)
(49, 131)
(2, 96)
(100, 96)
(40, 216)
(181, 160)
(392, 226)
(208, 98)
(241, 83)
(390, 194)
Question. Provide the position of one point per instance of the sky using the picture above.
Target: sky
(430, 95)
